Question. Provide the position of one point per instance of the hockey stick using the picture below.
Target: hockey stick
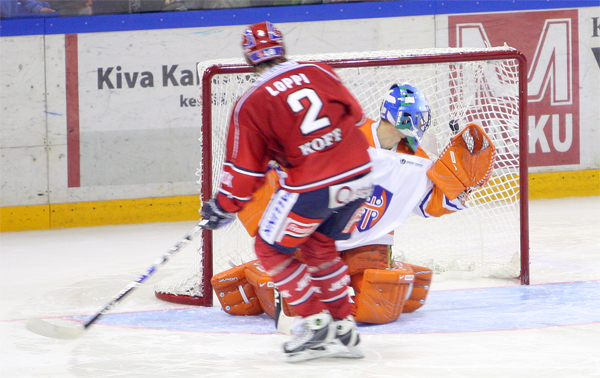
(283, 323)
(44, 328)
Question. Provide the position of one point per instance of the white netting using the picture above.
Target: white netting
(483, 240)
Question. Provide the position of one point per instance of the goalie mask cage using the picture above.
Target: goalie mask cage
(485, 86)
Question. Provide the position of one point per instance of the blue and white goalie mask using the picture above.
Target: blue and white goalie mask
(406, 108)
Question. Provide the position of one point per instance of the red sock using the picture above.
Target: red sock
(292, 280)
(333, 283)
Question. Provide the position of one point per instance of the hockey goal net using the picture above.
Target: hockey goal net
(484, 86)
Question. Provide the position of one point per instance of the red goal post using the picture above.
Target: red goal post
(487, 86)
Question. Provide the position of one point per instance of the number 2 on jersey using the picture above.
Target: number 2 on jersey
(310, 122)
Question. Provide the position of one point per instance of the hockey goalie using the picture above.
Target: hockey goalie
(407, 181)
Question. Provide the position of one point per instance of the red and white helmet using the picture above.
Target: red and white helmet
(262, 42)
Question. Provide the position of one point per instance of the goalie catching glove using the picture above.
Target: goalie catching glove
(466, 162)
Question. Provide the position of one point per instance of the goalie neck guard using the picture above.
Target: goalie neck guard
(406, 108)
(262, 42)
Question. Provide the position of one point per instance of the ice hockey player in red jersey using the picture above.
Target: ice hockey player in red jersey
(301, 116)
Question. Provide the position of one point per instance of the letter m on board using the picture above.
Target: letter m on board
(549, 40)
(552, 65)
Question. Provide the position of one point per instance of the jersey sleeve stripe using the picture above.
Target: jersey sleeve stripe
(229, 195)
(243, 171)
(453, 205)
(449, 205)
(424, 204)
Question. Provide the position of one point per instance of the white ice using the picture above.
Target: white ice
(53, 274)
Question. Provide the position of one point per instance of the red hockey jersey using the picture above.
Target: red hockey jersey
(301, 116)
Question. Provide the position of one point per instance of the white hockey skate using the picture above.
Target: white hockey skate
(347, 335)
(317, 340)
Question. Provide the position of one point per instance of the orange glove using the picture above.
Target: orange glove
(466, 162)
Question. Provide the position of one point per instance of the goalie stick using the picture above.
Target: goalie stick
(47, 329)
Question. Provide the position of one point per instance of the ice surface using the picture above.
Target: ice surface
(468, 328)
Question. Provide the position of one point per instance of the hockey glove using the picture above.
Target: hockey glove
(216, 217)
(466, 162)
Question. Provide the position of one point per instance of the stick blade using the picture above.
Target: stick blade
(283, 323)
(54, 331)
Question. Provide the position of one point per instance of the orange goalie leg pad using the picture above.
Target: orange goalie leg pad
(420, 288)
(366, 257)
(380, 294)
(264, 289)
(235, 293)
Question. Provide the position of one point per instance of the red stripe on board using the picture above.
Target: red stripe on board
(72, 88)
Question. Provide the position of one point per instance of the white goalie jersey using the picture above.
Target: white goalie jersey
(401, 184)
(401, 187)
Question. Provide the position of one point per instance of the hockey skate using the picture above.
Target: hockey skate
(347, 335)
(317, 340)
